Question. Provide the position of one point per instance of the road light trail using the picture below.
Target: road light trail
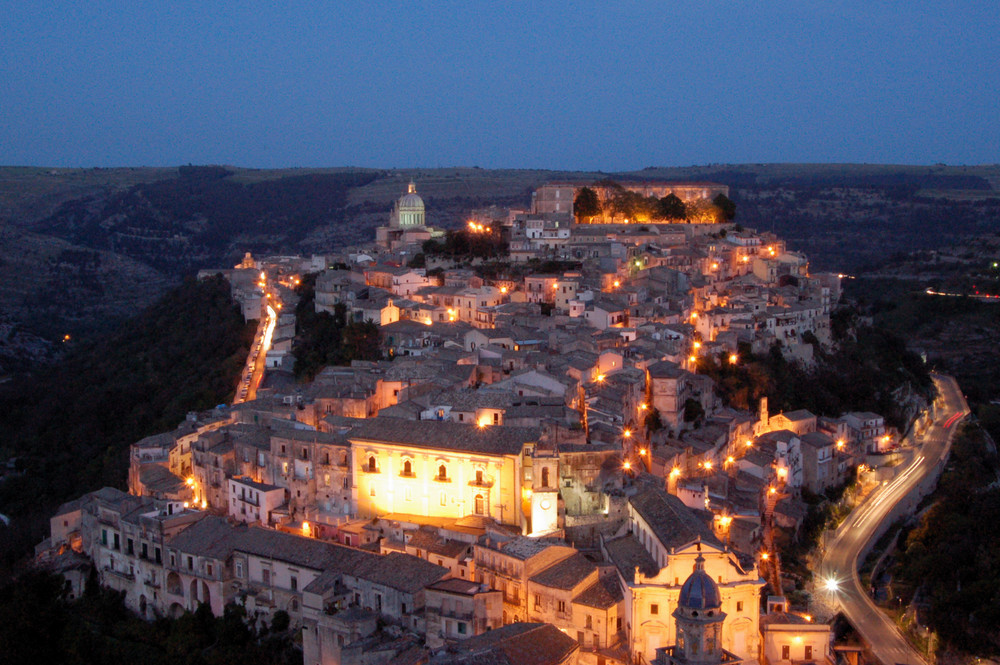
(839, 567)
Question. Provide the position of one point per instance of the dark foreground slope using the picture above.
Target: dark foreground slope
(70, 427)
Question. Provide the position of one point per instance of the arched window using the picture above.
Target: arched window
(407, 468)
(479, 476)
(442, 472)
(545, 476)
(480, 505)
(371, 464)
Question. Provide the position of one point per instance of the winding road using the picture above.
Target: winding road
(839, 569)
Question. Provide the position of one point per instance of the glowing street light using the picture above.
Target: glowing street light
(617, 283)
(765, 556)
(600, 378)
(733, 358)
(627, 433)
(697, 345)
(831, 585)
(627, 465)
(642, 451)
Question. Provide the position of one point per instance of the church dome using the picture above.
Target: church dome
(700, 592)
(411, 201)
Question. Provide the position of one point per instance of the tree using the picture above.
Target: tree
(653, 422)
(672, 207)
(693, 410)
(586, 204)
(726, 205)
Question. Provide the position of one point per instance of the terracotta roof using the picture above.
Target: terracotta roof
(673, 523)
(627, 553)
(567, 573)
(601, 595)
(446, 435)
(515, 644)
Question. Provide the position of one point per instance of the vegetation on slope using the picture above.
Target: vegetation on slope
(70, 427)
(38, 624)
(868, 369)
(952, 557)
(329, 339)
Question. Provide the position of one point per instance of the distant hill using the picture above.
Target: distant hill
(80, 248)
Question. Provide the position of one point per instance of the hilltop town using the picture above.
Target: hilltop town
(532, 463)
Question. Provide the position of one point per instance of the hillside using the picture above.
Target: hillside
(70, 426)
(83, 248)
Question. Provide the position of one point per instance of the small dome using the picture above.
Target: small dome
(411, 201)
(700, 591)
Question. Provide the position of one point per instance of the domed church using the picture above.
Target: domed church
(407, 225)
(699, 618)
(409, 210)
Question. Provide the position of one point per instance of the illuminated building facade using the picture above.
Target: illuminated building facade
(450, 470)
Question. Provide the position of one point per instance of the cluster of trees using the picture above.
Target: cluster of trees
(625, 204)
(953, 555)
(70, 427)
(465, 243)
(864, 371)
(39, 624)
(324, 339)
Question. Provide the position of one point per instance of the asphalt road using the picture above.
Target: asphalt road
(840, 561)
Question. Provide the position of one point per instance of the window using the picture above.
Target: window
(589, 622)
(442, 472)
(545, 476)
(265, 576)
(295, 583)
(326, 479)
(479, 476)
(654, 609)
(104, 537)
(190, 563)
(496, 418)
(480, 506)
(130, 546)
(210, 569)
(444, 499)
(284, 468)
(282, 449)
(809, 652)
(347, 483)
(239, 568)
(538, 602)
(118, 543)
(407, 468)
(562, 606)
(786, 652)
(372, 468)
(461, 628)
(145, 551)
(739, 605)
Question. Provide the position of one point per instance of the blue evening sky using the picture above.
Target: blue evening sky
(573, 85)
